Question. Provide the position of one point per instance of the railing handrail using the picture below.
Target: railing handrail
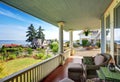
(66, 51)
(26, 69)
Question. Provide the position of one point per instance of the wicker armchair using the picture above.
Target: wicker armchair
(90, 69)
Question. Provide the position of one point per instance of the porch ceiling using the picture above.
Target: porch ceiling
(77, 14)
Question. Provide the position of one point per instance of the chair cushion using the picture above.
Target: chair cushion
(99, 59)
(88, 61)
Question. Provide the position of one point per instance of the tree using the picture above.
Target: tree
(31, 33)
(40, 34)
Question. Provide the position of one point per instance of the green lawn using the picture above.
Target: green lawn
(13, 66)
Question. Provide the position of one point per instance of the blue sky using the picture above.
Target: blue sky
(14, 24)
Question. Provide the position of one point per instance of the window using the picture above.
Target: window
(117, 35)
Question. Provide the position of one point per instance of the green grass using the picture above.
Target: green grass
(16, 65)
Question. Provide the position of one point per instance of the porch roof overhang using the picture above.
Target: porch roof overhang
(77, 14)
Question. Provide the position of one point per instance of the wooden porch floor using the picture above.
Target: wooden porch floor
(62, 71)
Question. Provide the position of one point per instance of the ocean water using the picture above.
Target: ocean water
(20, 42)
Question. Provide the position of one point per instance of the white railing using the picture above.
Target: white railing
(66, 54)
(38, 71)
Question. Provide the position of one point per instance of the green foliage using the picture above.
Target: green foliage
(54, 47)
(48, 56)
(98, 43)
(40, 55)
(43, 56)
(51, 46)
(41, 50)
(31, 33)
(40, 34)
(4, 52)
(1, 57)
(12, 56)
(9, 51)
(12, 49)
(86, 32)
(21, 49)
(84, 42)
(29, 50)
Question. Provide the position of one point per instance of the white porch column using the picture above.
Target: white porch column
(71, 41)
(61, 25)
(103, 36)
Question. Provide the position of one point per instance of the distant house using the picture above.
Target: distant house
(92, 37)
(37, 43)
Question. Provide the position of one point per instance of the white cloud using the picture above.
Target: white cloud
(14, 32)
(11, 14)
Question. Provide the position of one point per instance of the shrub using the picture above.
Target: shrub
(12, 49)
(44, 57)
(84, 42)
(21, 49)
(48, 56)
(98, 43)
(4, 52)
(41, 50)
(12, 56)
(1, 57)
(40, 55)
(29, 50)
(55, 47)
(51, 46)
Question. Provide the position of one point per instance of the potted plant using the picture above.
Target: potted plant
(86, 32)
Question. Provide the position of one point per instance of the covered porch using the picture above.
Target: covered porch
(61, 72)
(69, 16)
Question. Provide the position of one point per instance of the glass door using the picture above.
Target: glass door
(117, 35)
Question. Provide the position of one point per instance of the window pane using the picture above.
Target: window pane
(108, 34)
(117, 35)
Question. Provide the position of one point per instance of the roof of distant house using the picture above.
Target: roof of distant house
(11, 45)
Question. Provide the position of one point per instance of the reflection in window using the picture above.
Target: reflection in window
(108, 34)
(117, 36)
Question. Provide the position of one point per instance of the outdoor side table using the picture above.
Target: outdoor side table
(105, 74)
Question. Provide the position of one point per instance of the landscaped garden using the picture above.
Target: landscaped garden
(14, 57)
